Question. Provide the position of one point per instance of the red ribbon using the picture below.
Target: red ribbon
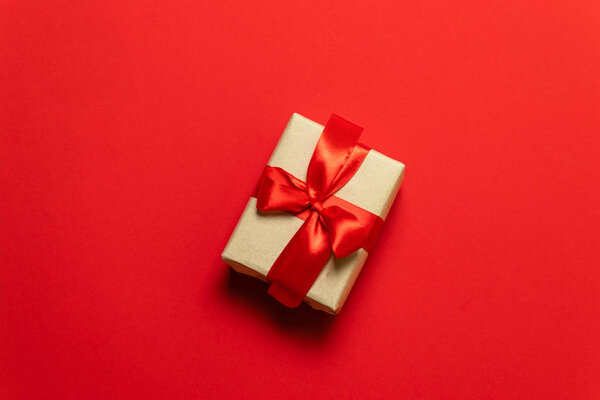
(330, 223)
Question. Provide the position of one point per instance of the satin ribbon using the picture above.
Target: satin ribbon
(330, 223)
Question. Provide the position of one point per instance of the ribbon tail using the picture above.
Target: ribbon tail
(300, 262)
(336, 144)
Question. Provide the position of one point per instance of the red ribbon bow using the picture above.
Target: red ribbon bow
(331, 224)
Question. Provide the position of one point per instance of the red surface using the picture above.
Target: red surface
(132, 136)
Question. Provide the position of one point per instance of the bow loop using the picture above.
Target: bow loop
(346, 234)
(279, 191)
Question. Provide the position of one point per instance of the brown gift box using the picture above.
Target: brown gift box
(258, 239)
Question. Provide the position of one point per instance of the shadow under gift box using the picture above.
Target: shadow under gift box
(259, 238)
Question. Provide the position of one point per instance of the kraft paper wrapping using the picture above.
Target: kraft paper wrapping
(257, 240)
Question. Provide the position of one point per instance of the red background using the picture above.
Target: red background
(132, 135)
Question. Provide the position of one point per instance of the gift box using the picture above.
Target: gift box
(274, 230)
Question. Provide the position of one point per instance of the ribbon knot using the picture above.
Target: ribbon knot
(333, 227)
(316, 205)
